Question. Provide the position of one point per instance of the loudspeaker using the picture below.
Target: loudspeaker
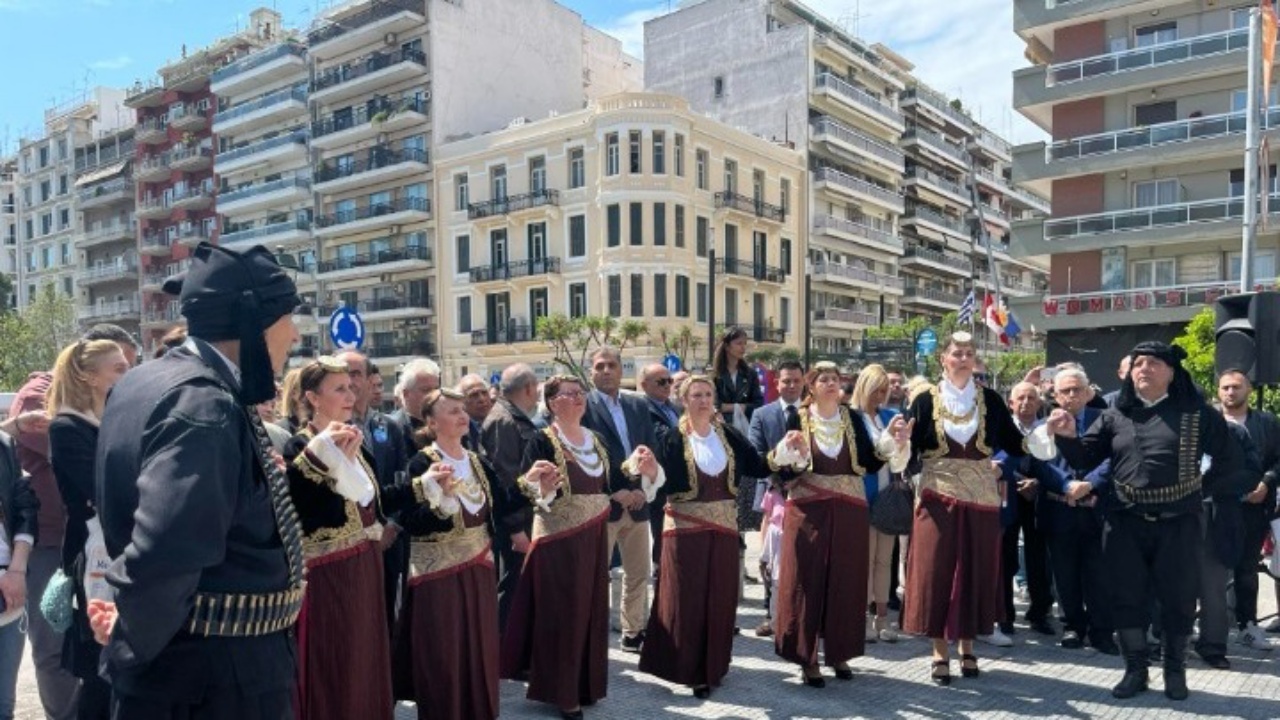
(1248, 336)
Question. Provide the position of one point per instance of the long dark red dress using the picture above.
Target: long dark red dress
(822, 580)
(557, 633)
(689, 639)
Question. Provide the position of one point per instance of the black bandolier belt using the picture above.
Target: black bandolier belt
(1189, 479)
(254, 614)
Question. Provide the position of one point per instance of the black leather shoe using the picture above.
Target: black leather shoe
(632, 644)
(571, 714)
(1133, 645)
(813, 678)
(941, 678)
(702, 692)
(1217, 662)
(843, 671)
(1042, 626)
(1175, 666)
(969, 666)
(1071, 640)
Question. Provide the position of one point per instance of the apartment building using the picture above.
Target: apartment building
(1143, 102)
(889, 214)
(107, 239)
(614, 210)
(174, 174)
(47, 216)
(375, 67)
(9, 227)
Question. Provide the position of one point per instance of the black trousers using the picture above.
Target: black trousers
(1075, 556)
(1153, 557)
(1036, 559)
(274, 705)
(510, 563)
(1256, 526)
(395, 572)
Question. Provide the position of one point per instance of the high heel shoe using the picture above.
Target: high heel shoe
(966, 670)
(814, 679)
(571, 714)
(702, 692)
(843, 671)
(941, 678)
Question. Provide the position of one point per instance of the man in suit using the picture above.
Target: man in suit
(475, 390)
(656, 384)
(418, 379)
(623, 423)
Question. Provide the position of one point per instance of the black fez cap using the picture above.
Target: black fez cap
(226, 295)
(1170, 355)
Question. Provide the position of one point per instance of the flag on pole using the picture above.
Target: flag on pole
(1268, 12)
(966, 310)
(994, 317)
(1011, 327)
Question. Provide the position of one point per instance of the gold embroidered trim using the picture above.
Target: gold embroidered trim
(568, 513)
(811, 485)
(477, 471)
(331, 540)
(730, 468)
(850, 440)
(437, 555)
(980, 438)
(969, 481)
(352, 524)
(563, 466)
(721, 513)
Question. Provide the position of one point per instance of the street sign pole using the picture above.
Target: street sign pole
(1251, 133)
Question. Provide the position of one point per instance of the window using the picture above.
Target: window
(46, 191)
(717, 87)
(538, 307)
(784, 196)
(1240, 18)
(1159, 272)
(637, 295)
(47, 257)
(635, 145)
(784, 311)
(730, 306)
(1155, 113)
(615, 295)
(678, 152)
(64, 186)
(1235, 186)
(1264, 266)
(1156, 192)
(64, 219)
(463, 245)
(44, 156)
(464, 314)
(757, 186)
(577, 168)
(611, 158)
(1155, 34)
(578, 300)
(660, 295)
(659, 153)
(679, 226)
(730, 176)
(682, 296)
(498, 182)
(613, 218)
(784, 256)
(67, 288)
(462, 189)
(659, 223)
(537, 174)
(1240, 98)
(637, 223)
(46, 223)
(701, 161)
(62, 148)
(702, 303)
(702, 236)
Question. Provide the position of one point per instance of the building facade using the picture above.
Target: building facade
(1144, 105)
(9, 227)
(616, 211)
(107, 240)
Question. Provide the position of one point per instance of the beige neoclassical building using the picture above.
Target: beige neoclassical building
(615, 210)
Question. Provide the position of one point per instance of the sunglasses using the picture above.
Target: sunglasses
(663, 382)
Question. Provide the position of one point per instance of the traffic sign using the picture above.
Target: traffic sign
(672, 363)
(495, 378)
(926, 342)
(346, 329)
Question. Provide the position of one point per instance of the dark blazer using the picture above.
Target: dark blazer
(640, 431)
(384, 442)
(21, 507)
(662, 422)
(744, 390)
(72, 443)
(507, 431)
(409, 427)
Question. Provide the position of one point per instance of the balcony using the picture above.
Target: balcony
(385, 308)
(122, 270)
(151, 131)
(750, 206)
(843, 318)
(850, 275)
(1134, 306)
(363, 122)
(188, 118)
(108, 233)
(193, 198)
(870, 232)
(397, 212)
(191, 234)
(380, 69)
(413, 257)
(928, 296)
(513, 333)
(764, 333)
(944, 190)
(839, 135)
(421, 348)
(344, 33)
(1019, 196)
(288, 149)
(937, 106)
(279, 194)
(153, 168)
(849, 49)
(991, 145)
(956, 265)
(108, 193)
(938, 146)
(993, 215)
(270, 108)
(513, 203)
(156, 244)
(284, 233)
(151, 208)
(154, 281)
(382, 164)
(920, 215)
(184, 158)
(1032, 15)
(856, 98)
(1011, 287)
(157, 317)
(746, 268)
(858, 189)
(522, 268)
(107, 311)
(259, 69)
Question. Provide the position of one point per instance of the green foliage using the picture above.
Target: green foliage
(682, 342)
(574, 339)
(1198, 340)
(31, 338)
(1007, 369)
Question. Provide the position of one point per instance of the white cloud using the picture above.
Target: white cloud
(629, 28)
(116, 63)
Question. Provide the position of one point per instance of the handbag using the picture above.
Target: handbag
(893, 509)
(56, 602)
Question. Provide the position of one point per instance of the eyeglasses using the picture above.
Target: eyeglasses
(980, 377)
(570, 395)
(663, 382)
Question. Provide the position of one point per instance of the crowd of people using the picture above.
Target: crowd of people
(225, 539)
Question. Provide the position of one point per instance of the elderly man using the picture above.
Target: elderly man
(1122, 372)
(506, 432)
(1074, 527)
(1157, 437)
(418, 378)
(655, 382)
(475, 391)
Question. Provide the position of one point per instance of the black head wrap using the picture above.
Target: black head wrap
(227, 295)
(1182, 391)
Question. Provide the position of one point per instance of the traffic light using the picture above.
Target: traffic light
(1248, 336)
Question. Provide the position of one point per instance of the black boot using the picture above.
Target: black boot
(1175, 666)
(1133, 647)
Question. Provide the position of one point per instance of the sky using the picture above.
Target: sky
(51, 50)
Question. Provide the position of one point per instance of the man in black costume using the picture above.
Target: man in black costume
(195, 508)
(1168, 449)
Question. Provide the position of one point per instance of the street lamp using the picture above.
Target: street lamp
(711, 296)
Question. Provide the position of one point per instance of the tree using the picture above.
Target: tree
(6, 291)
(1198, 340)
(574, 339)
(1007, 369)
(31, 338)
(682, 342)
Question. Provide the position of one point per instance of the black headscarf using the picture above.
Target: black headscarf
(1182, 391)
(227, 295)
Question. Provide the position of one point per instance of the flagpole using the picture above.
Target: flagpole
(986, 236)
(1251, 133)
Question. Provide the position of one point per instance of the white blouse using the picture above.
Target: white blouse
(586, 454)
(959, 402)
(462, 474)
(708, 452)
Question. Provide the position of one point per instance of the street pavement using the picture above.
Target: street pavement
(1033, 679)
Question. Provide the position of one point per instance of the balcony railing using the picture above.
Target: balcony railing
(993, 213)
(522, 268)
(366, 212)
(257, 60)
(376, 11)
(513, 203)
(512, 333)
(920, 212)
(1168, 297)
(181, 153)
(859, 97)
(924, 293)
(378, 257)
(746, 268)
(422, 348)
(382, 304)
(107, 188)
(381, 156)
(937, 180)
(108, 154)
(858, 317)
(191, 193)
(941, 258)
(296, 138)
(868, 228)
(116, 308)
(273, 98)
(378, 61)
(935, 141)
(265, 231)
(764, 333)
(939, 103)
(831, 175)
(1146, 218)
(157, 315)
(263, 189)
(856, 273)
(381, 109)
(108, 272)
(759, 208)
(1149, 56)
(1154, 135)
(827, 126)
(982, 135)
(112, 230)
(156, 241)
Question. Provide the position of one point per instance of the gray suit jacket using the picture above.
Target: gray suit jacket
(768, 427)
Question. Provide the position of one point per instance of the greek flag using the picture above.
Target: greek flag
(966, 310)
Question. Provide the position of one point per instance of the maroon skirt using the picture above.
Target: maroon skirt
(342, 638)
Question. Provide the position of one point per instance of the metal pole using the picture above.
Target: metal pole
(1251, 133)
(711, 303)
(808, 314)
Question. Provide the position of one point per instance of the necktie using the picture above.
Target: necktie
(793, 416)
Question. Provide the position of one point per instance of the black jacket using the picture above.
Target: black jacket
(744, 390)
(16, 494)
(639, 432)
(504, 436)
(73, 440)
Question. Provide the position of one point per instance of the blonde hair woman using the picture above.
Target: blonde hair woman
(869, 395)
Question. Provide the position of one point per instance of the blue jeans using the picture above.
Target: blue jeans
(11, 638)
